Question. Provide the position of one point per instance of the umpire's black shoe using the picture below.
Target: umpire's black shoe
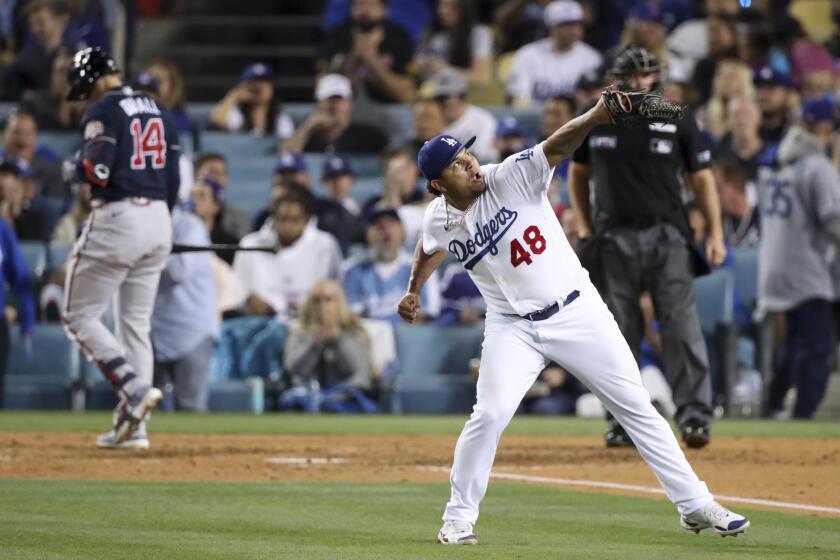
(616, 436)
(695, 434)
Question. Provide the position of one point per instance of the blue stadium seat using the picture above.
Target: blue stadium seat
(714, 296)
(427, 349)
(57, 254)
(64, 144)
(43, 380)
(432, 394)
(236, 396)
(746, 272)
(234, 145)
(35, 255)
(52, 354)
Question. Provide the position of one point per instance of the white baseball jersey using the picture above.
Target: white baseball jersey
(510, 240)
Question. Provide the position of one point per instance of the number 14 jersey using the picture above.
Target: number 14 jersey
(510, 240)
(131, 148)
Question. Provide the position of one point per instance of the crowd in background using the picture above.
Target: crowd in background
(749, 76)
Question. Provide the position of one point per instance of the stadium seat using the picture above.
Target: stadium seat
(64, 144)
(236, 396)
(249, 347)
(746, 272)
(52, 354)
(427, 349)
(714, 296)
(35, 255)
(42, 380)
(57, 254)
(233, 145)
(432, 394)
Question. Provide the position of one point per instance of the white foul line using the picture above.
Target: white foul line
(635, 488)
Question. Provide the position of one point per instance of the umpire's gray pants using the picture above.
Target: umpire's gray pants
(118, 257)
(658, 260)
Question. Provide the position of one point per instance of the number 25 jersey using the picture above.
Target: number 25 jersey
(510, 240)
(131, 148)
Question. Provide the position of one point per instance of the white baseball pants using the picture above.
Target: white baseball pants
(584, 339)
(118, 257)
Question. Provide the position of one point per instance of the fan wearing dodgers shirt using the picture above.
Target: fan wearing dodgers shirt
(541, 307)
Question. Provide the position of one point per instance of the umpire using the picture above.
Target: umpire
(639, 238)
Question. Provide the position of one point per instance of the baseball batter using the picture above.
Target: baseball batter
(130, 158)
(497, 221)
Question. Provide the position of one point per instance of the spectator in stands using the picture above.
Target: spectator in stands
(427, 120)
(552, 66)
(723, 39)
(33, 217)
(17, 278)
(589, 87)
(688, 43)
(331, 126)
(70, 225)
(772, 92)
(510, 137)
(555, 393)
(733, 79)
(556, 111)
(375, 284)
(49, 107)
(253, 106)
(171, 92)
(32, 68)
(277, 283)
(644, 27)
(457, 40)
(20, 143)
(800, 220)
(232, 219)
(291, 168)
(327, 349)
(463, 120)
(810, 63)
(400, 173)
(337, 179)
(520, 22)
(374, 52)
(740, 216)
(461, 302)
(185, 320)
(742, 143)
(206, 202)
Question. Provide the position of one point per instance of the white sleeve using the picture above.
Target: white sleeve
(430, 242)
(527, 172)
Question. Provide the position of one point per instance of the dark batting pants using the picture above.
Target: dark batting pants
(657, 260)
(804, 359)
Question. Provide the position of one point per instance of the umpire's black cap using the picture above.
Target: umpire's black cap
(88, 65)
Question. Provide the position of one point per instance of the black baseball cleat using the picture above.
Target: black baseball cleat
(616, 436)
(695, 434)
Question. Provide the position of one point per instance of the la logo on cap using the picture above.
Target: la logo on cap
(450, 141)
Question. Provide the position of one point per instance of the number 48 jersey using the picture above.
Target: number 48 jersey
(131, 148)
(510, 240)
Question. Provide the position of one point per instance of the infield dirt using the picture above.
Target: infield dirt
(802, 470)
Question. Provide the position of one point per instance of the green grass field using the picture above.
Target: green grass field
(110, 520)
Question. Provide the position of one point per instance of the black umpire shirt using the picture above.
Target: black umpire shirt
(636, 171)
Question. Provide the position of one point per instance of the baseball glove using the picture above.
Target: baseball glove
(631, 108)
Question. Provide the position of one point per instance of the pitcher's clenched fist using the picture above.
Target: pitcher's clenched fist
(409, 306)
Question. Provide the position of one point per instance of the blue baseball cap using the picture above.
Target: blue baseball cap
(287, 161)
(146, 82)
(437, 153)
(769, 75)
(509, 126)
(215, 186)
(337, 165)
(818, 109)
(257, 71)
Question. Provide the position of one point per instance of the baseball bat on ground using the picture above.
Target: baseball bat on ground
(181, 248)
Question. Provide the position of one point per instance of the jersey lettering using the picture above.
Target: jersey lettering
(780, 203)
(525, 155)
(148, 141)
(533, 237)
(485, 240)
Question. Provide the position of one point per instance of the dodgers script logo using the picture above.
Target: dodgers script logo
(485, 240)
